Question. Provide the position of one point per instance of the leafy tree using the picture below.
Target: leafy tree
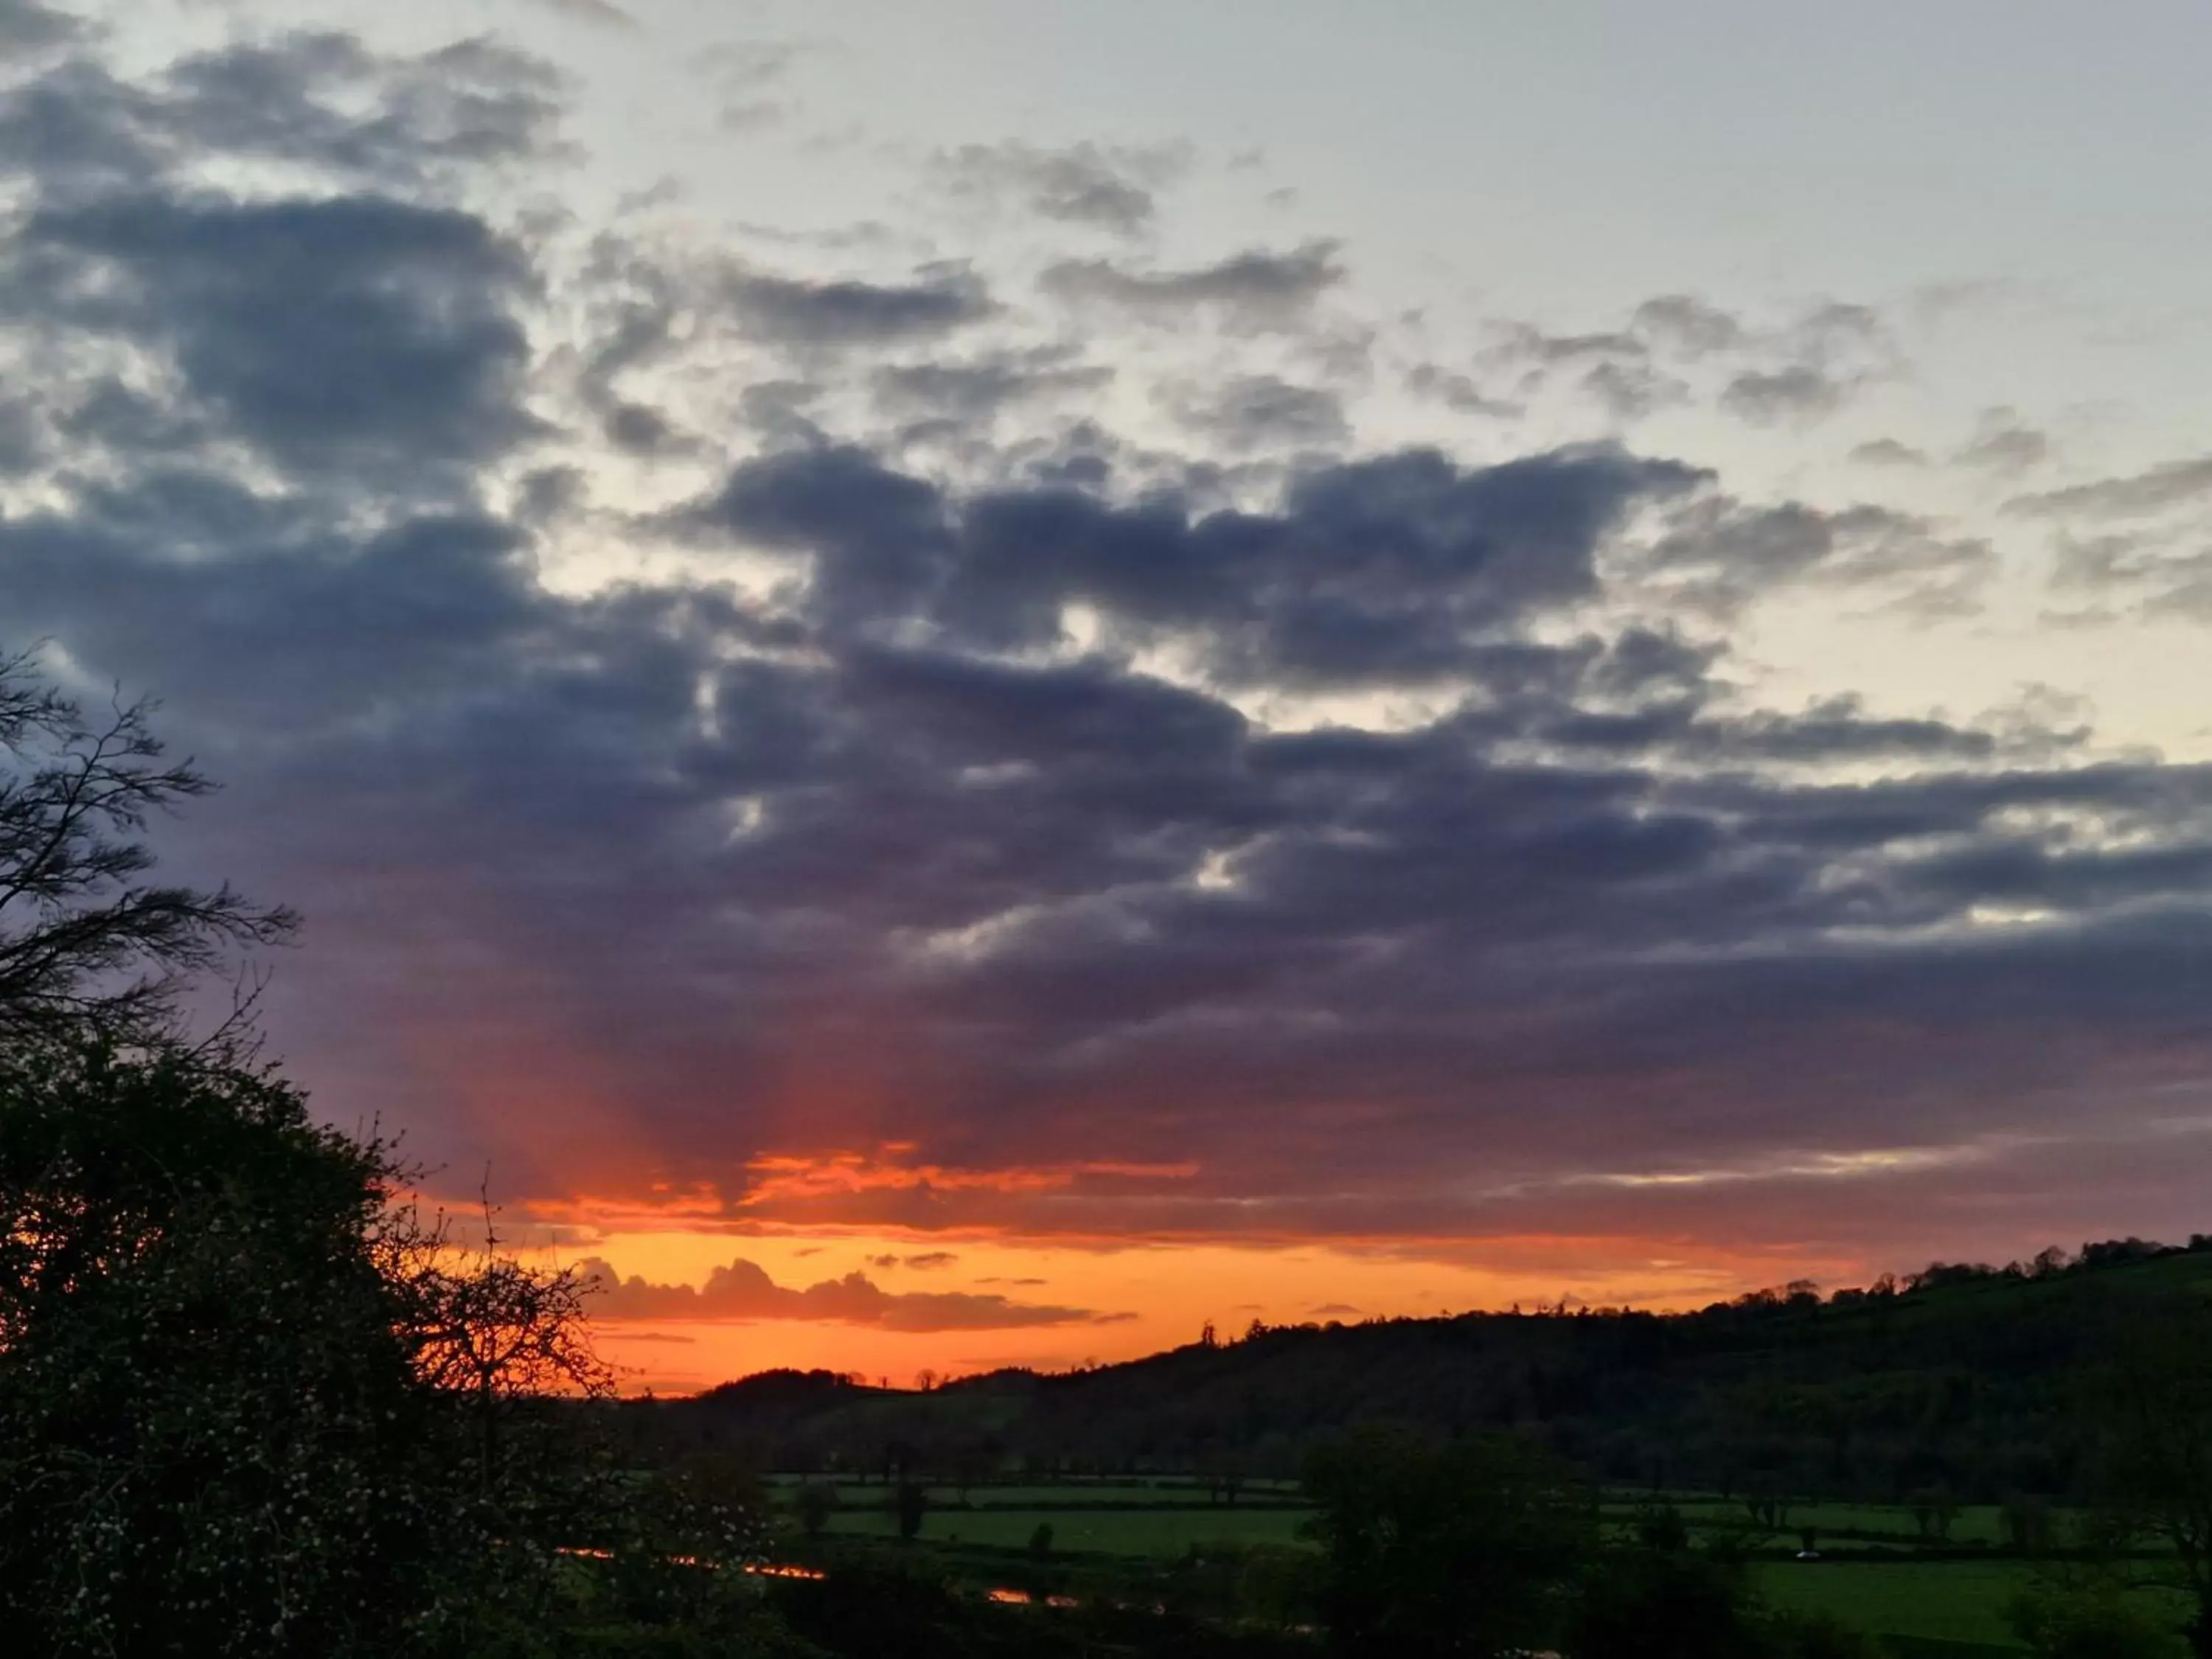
(2028, 1525)
(1934, 1509)
(2086, 1616)
(1659, 1597)
(909, 1503)
(816, 1501)
(2157, 1409)
(85, 937)
(1814, 1636)
(213, 1438)
(1464, 1548)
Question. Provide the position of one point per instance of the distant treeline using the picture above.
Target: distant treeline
(1970, 1381)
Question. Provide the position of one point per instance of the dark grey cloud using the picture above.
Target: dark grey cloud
(838, 314)
(1722, 554)
(1393, 568)
(27, 26)
(356, 337)
(296, 99)
(529, 845)
(1112, 187)
(719, 878)
(1256, 291)
(743, 1291)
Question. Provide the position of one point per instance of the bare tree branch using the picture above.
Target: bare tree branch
(84, 939)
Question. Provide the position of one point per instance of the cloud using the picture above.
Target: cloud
(1256, 291)
(1722, 554)
(2004, 446)
(1422, 557)
(1888, 452)
(1457, 392)
(1798, 392)
(1687, 325)
(839, 315)
(1263, 411)
(1676, 349)
(1111, 187)
(605, 14)
(354, 337)
(743, 1291)
(294, 99)
(2159, 489)
(1161, 848)
(746, 76)
(980, 388)
(27, 26)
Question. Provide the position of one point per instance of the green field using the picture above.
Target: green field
(1936, 1601)
(1974, 1523)
(1948, 1601)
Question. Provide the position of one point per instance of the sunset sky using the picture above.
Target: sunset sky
(958, 683)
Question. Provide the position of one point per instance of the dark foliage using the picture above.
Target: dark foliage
(1465, 1548)
(1961, 1389)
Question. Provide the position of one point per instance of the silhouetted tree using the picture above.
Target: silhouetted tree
(221, 1427)
(815, 1501)
(1464, 1548)
(484, 1327)
(2085, 1614)
(2158, 1406)
(85, 938)
(909, 1503)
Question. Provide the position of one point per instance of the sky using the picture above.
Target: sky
(964, 684)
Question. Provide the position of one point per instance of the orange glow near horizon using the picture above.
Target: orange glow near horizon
(1142, 1297)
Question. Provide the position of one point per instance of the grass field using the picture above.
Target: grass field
(1948, 1601)
(1973, 1523)
(1961, 1603)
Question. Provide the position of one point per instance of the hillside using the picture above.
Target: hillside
(1977, 1381)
